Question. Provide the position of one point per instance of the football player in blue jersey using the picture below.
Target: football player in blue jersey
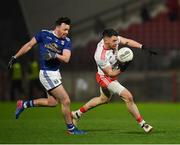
(54, 49)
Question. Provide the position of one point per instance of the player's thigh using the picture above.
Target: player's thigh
(52, 100)
(115, 87)
(60, 93)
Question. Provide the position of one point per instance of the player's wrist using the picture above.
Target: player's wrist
(14, 57)
(11, 62)
(143, 47)
(56, 55)
(53, 54)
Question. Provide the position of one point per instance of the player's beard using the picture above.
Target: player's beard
(64, 36)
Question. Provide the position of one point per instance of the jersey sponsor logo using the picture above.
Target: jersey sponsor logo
(53, 46)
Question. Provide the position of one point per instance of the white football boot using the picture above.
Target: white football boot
(147, 128)
(75, 117)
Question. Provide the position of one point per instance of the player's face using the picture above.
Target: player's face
(63, 30)
(113, 42)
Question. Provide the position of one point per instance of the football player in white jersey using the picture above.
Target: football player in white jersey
(108, 70)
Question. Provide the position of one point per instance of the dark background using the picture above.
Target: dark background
(153, 23)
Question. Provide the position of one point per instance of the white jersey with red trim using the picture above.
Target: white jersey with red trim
(105, 57)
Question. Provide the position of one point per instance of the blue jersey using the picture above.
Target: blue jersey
(47, 39)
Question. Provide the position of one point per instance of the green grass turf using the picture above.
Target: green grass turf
(109, 123)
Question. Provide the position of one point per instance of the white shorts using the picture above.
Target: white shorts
(50, 79)
(114, 87)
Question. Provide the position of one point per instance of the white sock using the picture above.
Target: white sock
(25, 104)
(79, 112)
(142, 123)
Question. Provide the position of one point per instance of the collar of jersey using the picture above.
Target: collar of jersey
(105, 48)
(55, 35)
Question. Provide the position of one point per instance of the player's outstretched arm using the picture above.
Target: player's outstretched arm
(24, 49)
(65, 57)
(130, 42)
(136, 44)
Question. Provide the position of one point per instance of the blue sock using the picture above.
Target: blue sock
(70, 127)
(28, 104)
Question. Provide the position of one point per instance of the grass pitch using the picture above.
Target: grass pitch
(109, 123)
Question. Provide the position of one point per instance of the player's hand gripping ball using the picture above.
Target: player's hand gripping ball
(125, 54)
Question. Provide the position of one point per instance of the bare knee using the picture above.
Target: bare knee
(66, 102)
(129, 98)
(104, 99)
(52, 102)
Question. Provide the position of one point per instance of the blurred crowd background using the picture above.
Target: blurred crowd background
(155, 23)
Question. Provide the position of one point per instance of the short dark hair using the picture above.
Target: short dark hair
(61, 20)
(109, 33)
